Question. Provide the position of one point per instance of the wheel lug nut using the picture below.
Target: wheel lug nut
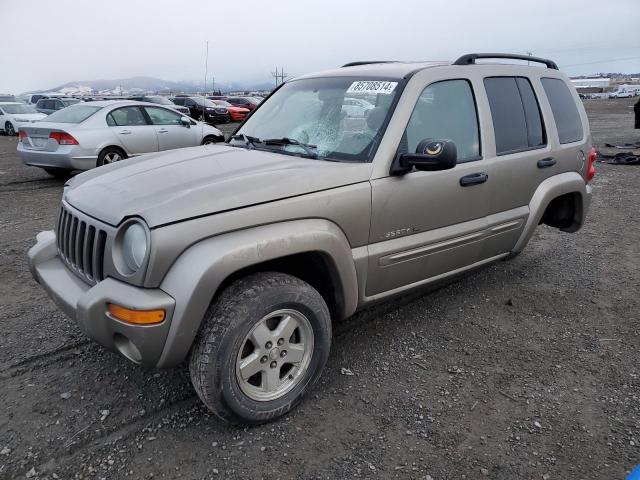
(281, 341)
(263, 359)
(268, 345)
(283, 353)
(274, 364)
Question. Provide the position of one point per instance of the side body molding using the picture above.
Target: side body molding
(197, 274)
(553, 187)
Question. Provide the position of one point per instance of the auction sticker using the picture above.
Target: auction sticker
(369, 86)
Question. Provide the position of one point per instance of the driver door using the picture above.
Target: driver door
(425, 224)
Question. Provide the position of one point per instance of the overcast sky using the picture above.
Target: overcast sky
(47, 43)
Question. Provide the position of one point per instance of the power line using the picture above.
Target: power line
(610, 60)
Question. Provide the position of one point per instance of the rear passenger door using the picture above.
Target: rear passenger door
(170, 130)
(132, 130)
(521, 156)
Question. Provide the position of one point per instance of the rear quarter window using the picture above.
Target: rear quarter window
(565, 111)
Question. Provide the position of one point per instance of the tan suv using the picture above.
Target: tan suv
(239, 257)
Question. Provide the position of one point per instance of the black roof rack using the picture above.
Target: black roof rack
(470, 59)
(366, 62)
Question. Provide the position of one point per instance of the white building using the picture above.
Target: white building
(598, 82)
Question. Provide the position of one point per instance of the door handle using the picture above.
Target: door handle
(163, 130)
(473, 179)
(546, 162)
(125, 132)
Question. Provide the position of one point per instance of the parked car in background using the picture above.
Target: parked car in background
(160, 100)
(15, 114)
(50, 105)
(203, 110)
(244, 102)
(237, 114)
(5, 97)
(89, 135)
(32, 98)
(356, 107)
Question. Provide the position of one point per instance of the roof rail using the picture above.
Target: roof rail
(470, 59)
(366, 62)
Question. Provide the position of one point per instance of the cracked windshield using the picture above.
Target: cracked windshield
(339, 119)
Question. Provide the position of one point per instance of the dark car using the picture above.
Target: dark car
(160, 100)
(204, 110)
(244, 102)
(50, 105)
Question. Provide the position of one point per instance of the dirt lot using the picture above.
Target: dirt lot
(526, 370)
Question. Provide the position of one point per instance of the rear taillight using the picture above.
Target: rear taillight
(63, 138)
(591, 168)
(21, 136)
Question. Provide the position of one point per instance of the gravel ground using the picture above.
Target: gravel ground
(527, 369)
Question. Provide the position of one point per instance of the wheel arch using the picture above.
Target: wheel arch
(556, 193)
(314, 250)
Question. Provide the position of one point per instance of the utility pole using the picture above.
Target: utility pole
(279, 76)
(530, 54)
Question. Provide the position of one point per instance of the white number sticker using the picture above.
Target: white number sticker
(372, 87)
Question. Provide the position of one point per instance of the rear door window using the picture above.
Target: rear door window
(565, 112)
(517, 122)
(128, 116)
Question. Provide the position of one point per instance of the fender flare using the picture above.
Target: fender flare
(198, 272)
(553, 187)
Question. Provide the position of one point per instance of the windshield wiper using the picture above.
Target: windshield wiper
(308, 148)
(249, 141)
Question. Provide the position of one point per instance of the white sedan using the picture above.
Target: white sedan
(13, 115)
(91, 134)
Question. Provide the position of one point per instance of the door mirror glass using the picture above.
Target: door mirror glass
(431, 155)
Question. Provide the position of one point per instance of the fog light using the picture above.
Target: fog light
(138, 317)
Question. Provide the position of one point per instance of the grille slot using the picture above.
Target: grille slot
(81, 246)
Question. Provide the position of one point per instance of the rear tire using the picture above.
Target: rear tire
(110, 155)
(262, 347)
(9, 130)
(58, 172)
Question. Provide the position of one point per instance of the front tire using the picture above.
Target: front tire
(263, 345)
(211, 139)
(9, 130)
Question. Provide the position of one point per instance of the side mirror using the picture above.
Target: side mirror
(185, 122)
(431, 155)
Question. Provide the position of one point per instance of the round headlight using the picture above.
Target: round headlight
(134, 246)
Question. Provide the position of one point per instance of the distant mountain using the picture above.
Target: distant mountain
(137, 85)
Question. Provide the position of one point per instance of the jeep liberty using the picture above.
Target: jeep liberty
(238, 257)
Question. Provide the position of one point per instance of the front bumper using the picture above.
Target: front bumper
(87, 305)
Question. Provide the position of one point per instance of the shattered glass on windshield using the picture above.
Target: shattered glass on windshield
(339, 118)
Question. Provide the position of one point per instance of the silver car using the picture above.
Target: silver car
(89, 135)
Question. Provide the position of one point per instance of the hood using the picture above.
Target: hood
(180, 184)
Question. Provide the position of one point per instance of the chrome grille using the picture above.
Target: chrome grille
(81, 246)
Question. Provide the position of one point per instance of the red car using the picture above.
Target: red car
(246, 102)
(237, 114)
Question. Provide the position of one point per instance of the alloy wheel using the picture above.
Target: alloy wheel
(274, 355)
(112, 157)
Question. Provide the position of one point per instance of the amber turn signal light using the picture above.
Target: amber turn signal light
(137, 317)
